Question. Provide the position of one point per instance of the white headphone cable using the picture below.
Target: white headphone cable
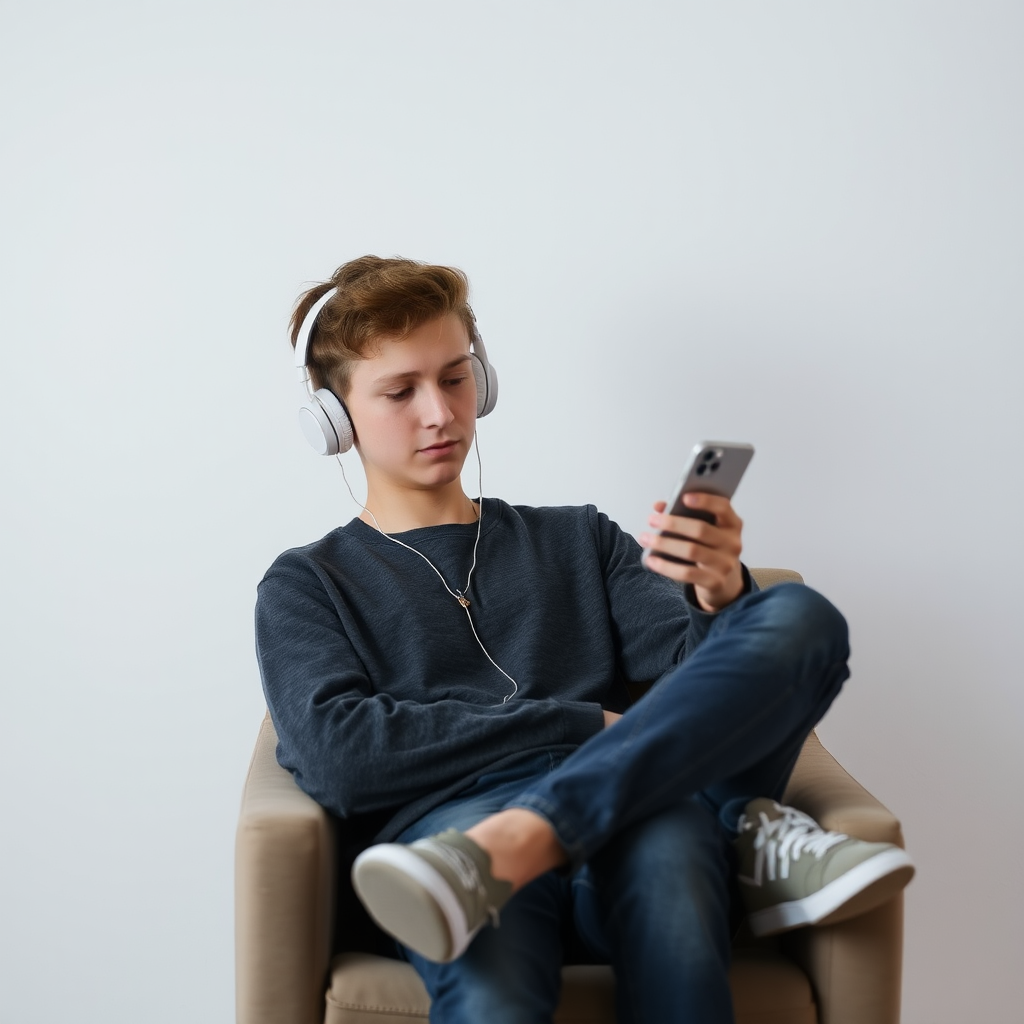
(459, 595)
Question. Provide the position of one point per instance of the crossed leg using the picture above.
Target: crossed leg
(723, 727)
(727, 725)
(653, 903)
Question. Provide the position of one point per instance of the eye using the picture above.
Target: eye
(397, 396)
(455, 381)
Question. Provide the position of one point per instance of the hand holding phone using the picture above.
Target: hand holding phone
(715, 468)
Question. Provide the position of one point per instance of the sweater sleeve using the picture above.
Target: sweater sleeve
(354, 747)
(656, 626)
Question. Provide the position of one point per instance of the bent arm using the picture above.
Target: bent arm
(356, 748)
(657, 620)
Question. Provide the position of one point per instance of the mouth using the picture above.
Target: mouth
(440, 448)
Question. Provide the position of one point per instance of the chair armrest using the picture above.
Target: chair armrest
(766, 578)
(284, 895)
(855, 967)
(822, 788)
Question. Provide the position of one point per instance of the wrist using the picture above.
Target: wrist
(714, 600)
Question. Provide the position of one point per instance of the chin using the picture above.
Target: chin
(436, 475)
(442, 479)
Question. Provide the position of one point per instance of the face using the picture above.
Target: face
(413, 406)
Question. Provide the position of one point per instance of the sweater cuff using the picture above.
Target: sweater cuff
(749, 587)
(700, 619)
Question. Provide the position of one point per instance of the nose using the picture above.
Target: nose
(435, 409)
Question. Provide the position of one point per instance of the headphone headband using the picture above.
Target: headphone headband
(306, 329)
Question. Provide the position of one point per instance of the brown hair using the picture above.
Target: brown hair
(376, 298)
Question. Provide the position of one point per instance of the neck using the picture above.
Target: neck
(410, 510)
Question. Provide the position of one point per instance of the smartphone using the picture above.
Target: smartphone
(716, 467)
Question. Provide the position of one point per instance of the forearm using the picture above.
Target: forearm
(372, 753)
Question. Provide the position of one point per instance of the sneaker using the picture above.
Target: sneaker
(433, 895)
(793, 873)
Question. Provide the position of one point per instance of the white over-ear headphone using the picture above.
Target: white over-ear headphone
(323, 417)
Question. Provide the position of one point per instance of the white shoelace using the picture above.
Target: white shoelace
(780, 841)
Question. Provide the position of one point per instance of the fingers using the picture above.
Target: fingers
(709, 504)
(689, 562)
(695, 539)
(720, 508)
(712, 548)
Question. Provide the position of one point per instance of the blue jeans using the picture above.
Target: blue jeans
(646, 811)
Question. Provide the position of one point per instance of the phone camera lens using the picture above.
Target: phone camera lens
(702, 468)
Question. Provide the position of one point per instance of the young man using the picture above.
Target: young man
(458, 667)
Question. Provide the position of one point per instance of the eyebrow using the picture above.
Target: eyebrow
(394, 378)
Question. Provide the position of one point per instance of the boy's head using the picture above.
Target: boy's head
(375, 299)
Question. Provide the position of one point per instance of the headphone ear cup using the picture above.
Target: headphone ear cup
(325, 423)
(486, 386)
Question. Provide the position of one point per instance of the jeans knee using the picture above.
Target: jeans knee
(807, 621)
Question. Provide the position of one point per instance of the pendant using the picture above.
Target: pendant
(463, 601)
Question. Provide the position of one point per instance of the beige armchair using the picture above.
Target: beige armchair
(306, 953)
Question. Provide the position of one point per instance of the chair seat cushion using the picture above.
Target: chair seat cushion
(368, 989)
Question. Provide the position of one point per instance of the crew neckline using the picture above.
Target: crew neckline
(492, 513)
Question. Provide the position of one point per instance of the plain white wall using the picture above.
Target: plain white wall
(795, 224)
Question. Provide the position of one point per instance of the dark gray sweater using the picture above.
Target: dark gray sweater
(382, 699)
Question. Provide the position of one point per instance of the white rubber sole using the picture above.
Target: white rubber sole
(868, 885)
(412, 902)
